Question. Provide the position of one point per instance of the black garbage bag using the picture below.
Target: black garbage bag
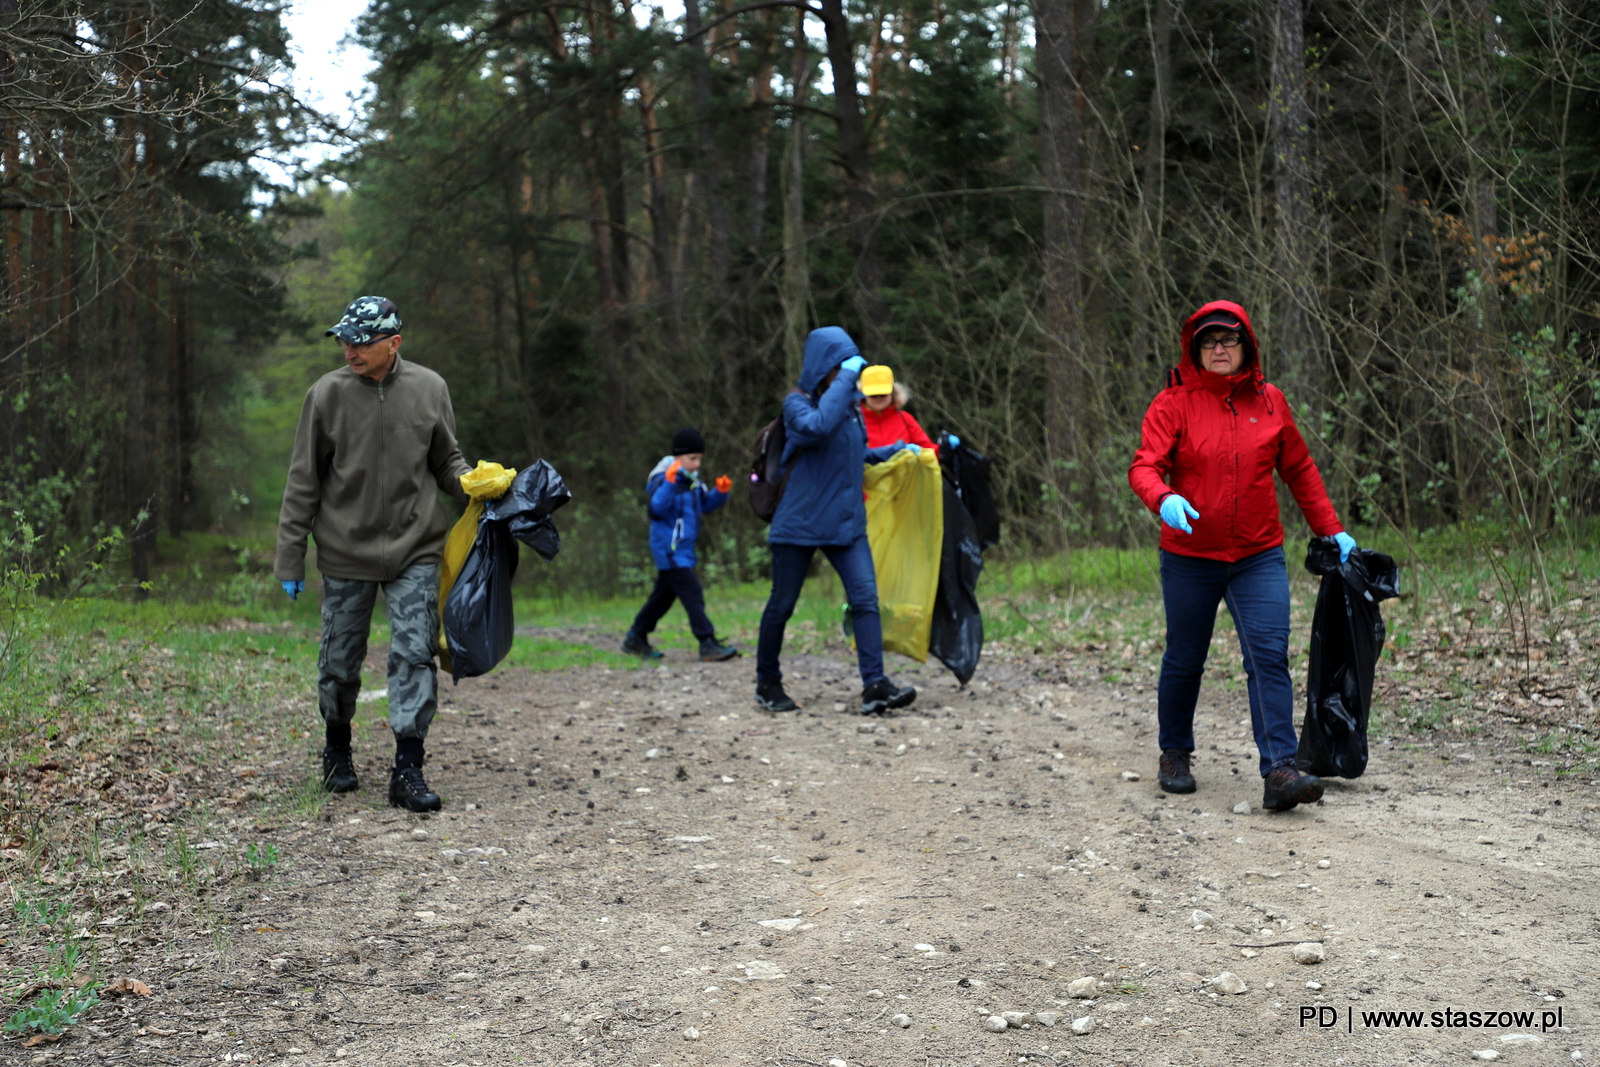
(956, 637)
(536, 494)
(1346, 640)
(478, 619)
(969, 470)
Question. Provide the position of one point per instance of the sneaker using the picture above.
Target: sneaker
(1174, 774)
(712, 650)
(770, 695)
(1288, 786)
(634, 645)
(883, 696)
(338, 769)
(407, 789)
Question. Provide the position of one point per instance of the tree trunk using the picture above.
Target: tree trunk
(1152, 190)
(796, 270)
(713, 208)
(1289, 129)
(656, 206)
(1483, 211)
(1066, 416)
(860, 199)
(761, 141)
(184, 433)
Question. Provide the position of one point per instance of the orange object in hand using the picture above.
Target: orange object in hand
(672, 471)
(724, 484)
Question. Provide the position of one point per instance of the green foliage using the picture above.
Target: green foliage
(261, 859)
(58, 999)
(53, 1010)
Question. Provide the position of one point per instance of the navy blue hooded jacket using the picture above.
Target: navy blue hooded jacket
(675, 510)
(825, 451)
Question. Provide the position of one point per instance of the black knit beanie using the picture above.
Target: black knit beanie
(687, 440)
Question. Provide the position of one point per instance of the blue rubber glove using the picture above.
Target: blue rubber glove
(294, 589)
(854, 364)
(1173, 510)
(1346, 545)
(916, 450)
(955, 442)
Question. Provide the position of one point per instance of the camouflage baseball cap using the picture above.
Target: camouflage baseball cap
(365, 320)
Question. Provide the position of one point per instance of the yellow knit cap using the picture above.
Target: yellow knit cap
(876, 380)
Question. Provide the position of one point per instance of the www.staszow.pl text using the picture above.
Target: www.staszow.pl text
(1324, 1017)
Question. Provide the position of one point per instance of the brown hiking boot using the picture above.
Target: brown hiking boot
(1288, 786)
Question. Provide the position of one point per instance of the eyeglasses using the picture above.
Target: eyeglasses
(1229, 340)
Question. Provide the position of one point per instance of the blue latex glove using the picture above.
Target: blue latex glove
(854, 364)
(294, 589)
(916, 450)
(955, 442)
(1346, 545)
(1173, 510)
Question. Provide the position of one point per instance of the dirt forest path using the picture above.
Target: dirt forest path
(639, 867)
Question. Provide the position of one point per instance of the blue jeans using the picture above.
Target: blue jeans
(854, 564)
(1256, 589)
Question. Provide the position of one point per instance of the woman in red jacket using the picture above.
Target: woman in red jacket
(887, 425)
(1210, 443)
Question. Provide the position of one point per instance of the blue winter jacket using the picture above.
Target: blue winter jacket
(824, 452)
(675, 509)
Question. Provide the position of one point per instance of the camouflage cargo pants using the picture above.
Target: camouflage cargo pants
(413, 601)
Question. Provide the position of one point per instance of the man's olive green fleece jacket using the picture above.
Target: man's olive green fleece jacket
(367, 459)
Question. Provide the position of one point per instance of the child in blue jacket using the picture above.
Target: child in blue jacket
(677, 500)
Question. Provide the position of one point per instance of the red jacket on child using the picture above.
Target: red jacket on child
(890, 425)
(1216, 442)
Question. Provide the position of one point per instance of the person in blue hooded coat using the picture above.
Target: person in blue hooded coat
(823, 507)
(677, 500)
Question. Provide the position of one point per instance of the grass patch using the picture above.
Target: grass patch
(544, 654)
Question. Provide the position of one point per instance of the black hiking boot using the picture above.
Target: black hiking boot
(634, 645)
(1288, 786)
(712, 650)
(338, 769)
(883, 696)
(1174, 774)
(408, 790)
(770, 695)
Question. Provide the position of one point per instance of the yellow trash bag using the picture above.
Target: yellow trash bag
(485, 482)
(905, 528)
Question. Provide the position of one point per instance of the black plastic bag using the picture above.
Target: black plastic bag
(969, 470)
(1346, 640)
(478, 618)
(956, 637)
(536, 494)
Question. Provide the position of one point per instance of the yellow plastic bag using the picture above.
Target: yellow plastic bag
(905, 528)
(485, 482)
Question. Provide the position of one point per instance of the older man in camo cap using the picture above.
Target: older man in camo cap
(375, 445)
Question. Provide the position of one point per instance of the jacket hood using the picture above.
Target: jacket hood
(826, 348)
(1190, 370)
(659, 468)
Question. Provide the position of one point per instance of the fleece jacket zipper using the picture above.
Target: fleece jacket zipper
(383, 557)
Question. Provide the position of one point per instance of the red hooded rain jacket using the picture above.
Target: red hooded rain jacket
(890, 425)
(1216, 441)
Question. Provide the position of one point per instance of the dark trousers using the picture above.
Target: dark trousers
(854, 564)
(676, 583)
(1256, 590)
